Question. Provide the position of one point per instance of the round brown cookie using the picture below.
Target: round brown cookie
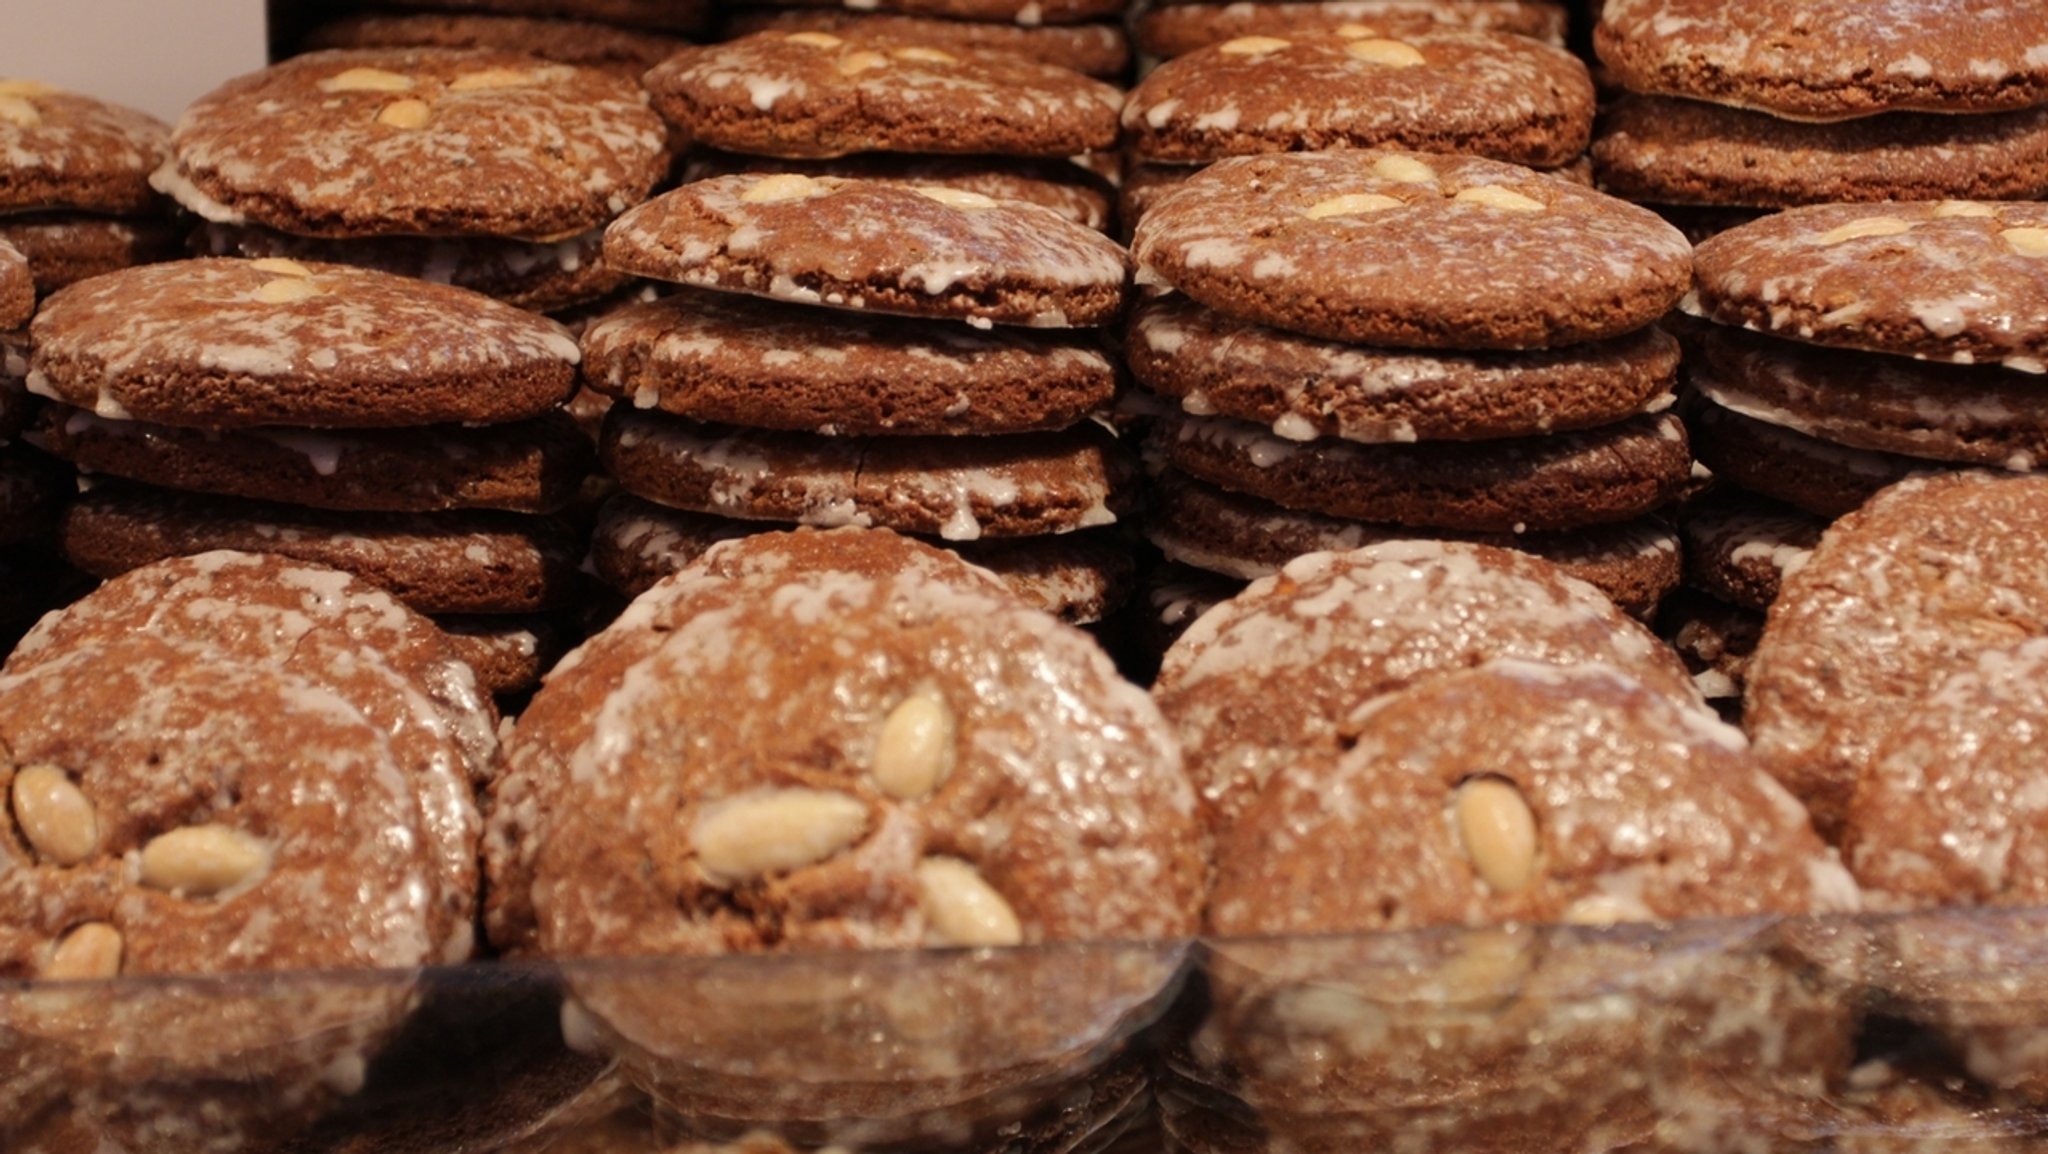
(1028, 13)
(1829, 59)
(1307, 388)
(1144, 184)
(1809, 474)
(33, 491)
(687, 17)
(1974, 414)
(1057, 184)
(418, 141)
(218, 343)
(1272, 677)
(1330, 244)
(585, 42)
(542, 276)
(1653, 148)
(821, 94)
(1714, 639)
(1558, 481)
(463, 562)
(530, 466)
(17, 288)
(62, 150)
(1635, 563)
(1490, 94)
(1950, 280)
(1740, 547)
(956, 488)
(67, 247)
(508, 653)
(1174, 29)
(339, 635)
(722, 357)
(857, 244)
(1100, 50)
(1898, 595)
(1520, 792)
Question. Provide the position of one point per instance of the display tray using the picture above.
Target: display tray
(1872, 1033)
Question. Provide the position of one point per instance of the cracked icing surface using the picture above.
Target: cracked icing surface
(1955, 281)
(1981, 415)
(955, 488)
(853, 244)
(1545, 263)
(1305, 388)
(1173, 29)
(819, 94)
(197, 343)
(1909, 589)
(1831, 59)
(1101, 50)
(505, 145)
(719, 357)
(1274, 676)
(1480, 93)
(63, 150)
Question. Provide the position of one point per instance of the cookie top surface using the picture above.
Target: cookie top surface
(1944, 813)
(1306, 388)
(853, 244)
(217, 342)
(1415, 251)
(1489, 94)
(17, 288)
(426, 141)
(1686, 152)
(1024, 13)
(1275, 675)
(687, 17)
(821, 94)
(1897, 596)
(720, 357)
(1098, 837)
(1941, 280)
(65, 150)
(585, 42)
(1174, 29)
(1101, 50)
(1830, 59)
(1056, 183)
(1631, 807)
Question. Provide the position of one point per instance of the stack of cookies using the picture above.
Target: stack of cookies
(1368, 344)
(807, 408)
(1176, 27)
(402, 430)
(1444, 90)
(1735, 108)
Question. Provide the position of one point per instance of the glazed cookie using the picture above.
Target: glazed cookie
(1635, 562)
(720, 357)
(541, 276)
(62, 150)
(508, 654)
(819, 94)
(584, 42)
(1977, 414)
(532, 466)
(1099, 50)
(1807, 473)
(64, 248)
(1897, 596)
(1174, 29)
(1950, 281)
(1830, 59)
(1740, 548)
(1489, 94)
(923, 251)
(1027, 13)
(1666, 151)
(957, 488)
(424, 141)
(1055, 183)
(1559, 481)
(463, 562)
(17, 288)
(1275, 675)
(230, 343)
(1306, 388)
(1326, 244)
(685, 17)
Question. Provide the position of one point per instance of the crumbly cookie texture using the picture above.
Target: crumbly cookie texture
(63, 150)
(1177, 28)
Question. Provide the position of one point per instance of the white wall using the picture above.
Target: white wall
(156, 55)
